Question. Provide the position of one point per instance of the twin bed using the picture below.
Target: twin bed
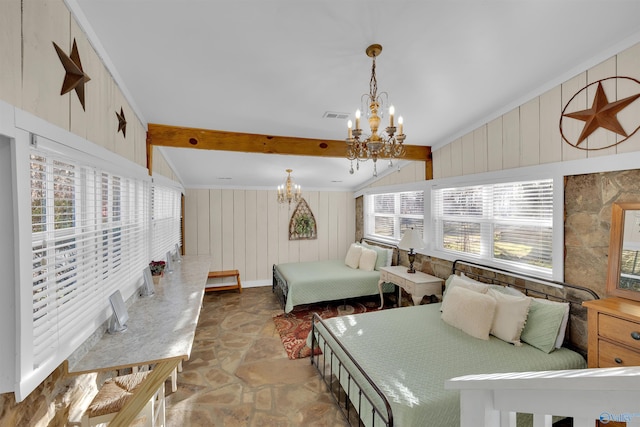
(389, 367)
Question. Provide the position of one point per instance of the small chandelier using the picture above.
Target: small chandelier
(375, 145)
(289, 192)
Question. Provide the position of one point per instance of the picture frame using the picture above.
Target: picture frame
(118, 321)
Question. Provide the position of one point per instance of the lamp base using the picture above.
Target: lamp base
(412, 258)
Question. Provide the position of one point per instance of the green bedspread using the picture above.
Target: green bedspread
(318, 281)
(410, 352)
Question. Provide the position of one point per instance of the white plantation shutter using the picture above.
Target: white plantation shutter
(166, 211)
(508, 222)
(389, 215)
(90, 237)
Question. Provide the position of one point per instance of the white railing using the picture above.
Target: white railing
(586, 395)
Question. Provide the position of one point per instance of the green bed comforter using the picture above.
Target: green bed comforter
(410, 352)
(318, 281)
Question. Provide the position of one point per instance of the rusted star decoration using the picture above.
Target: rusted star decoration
(75, 77)
(602, 114)
(122, 122)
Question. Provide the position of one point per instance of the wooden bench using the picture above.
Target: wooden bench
(224, 273)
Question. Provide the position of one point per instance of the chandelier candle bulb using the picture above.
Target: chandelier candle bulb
(391, 113)
(357, 119)
(349, 125)
(400, 122)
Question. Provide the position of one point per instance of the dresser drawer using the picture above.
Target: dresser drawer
(609, 354)
(619, 330)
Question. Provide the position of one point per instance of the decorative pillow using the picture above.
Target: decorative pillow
(510, 317)
(507, 290)
(389, 257)
(367, 259)
(470, 311)
(381, 259)
(543, 324)
(353, 255)
(454, 281)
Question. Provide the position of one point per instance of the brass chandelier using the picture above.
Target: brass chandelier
(289, 191)
(375, 146)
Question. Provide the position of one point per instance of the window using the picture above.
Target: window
(166, 209)
(510, 223)
(89, 237)
(390, 214)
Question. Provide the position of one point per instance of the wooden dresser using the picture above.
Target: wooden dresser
(614, 334)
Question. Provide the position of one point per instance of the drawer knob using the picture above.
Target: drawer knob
(635, 335)
(618, 360)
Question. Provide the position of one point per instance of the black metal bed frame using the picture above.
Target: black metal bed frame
(348, 394)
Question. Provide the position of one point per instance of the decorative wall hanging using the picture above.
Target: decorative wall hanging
(75, 77)
(302, 225)
(122, 122)
(602, 114)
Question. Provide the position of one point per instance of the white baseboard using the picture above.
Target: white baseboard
(256, 283)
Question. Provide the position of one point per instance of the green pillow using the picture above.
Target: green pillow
(381, 259)
(543, 324)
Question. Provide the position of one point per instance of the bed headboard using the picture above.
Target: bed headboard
(396, 251)
(576, 335)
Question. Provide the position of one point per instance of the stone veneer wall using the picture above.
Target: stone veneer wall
(588, 200)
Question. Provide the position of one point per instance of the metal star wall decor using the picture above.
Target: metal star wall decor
(122, 122)
(75, 77)
(602, 114)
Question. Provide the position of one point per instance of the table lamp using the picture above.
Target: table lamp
(411, 240)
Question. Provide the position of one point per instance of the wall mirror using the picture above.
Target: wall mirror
(623, 276)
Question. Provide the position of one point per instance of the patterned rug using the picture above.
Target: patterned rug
(294, 327)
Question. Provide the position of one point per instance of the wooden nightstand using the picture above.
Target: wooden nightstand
(614, 335)
(417, 284)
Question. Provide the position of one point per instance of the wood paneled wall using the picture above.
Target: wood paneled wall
(530, 134)
(32, 75)
(248, 229)
(412, 172)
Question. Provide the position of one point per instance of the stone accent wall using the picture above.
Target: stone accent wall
(588, 200)
(359, 218)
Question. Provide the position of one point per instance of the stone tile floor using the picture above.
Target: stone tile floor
(239, 373)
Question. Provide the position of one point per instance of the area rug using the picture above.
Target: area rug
(294, 327)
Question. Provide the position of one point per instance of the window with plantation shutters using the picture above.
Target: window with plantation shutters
(506, 222)
(89, 237)
(389, 215)
(166, 211)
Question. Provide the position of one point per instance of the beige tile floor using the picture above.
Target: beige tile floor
(239, 373)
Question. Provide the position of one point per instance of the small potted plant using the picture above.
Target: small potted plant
(157, 270)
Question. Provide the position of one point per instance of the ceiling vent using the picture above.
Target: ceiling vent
(335, 115)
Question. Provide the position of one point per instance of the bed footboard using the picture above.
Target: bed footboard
(279, 287)
(361, 401)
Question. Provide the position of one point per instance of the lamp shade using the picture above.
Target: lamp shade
(411, 240)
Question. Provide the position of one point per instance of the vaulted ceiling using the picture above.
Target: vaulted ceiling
(276, 67)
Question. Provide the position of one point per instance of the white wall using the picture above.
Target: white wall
(247, 230)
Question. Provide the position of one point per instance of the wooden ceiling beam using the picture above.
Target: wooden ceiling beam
(183, 137)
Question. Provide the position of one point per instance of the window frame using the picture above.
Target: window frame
(30, 372)
(396, 190)
(500, 177)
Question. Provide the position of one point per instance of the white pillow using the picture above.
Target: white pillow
(510, 317)
(470, 311)
(455, 281)
(389, 257)
(367, 259)
(353, 255)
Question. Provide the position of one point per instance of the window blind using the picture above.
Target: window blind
(166, 219)
(389, 215)
(89, 238)
(510, 222)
